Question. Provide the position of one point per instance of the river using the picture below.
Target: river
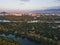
(24, 41)
(32, 21)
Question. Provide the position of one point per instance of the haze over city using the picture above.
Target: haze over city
(24, 5)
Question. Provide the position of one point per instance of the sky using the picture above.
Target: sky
(28, 4)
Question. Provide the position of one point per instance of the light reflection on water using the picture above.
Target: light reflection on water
(32, 21)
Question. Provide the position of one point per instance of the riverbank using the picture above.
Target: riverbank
(7, 41)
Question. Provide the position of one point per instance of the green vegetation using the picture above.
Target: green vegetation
(40, 32)
(7, 41)
(15, 18)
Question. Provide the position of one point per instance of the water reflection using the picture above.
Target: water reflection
(32, 21)
(24, 41)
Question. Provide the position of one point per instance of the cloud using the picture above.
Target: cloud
(57, 0)
(22, 3)
(25, 0)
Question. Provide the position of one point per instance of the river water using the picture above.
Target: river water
(32, 21)
(24, 41)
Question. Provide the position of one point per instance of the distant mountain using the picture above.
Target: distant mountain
(55, 9)
(47, 11)
(52, 10)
